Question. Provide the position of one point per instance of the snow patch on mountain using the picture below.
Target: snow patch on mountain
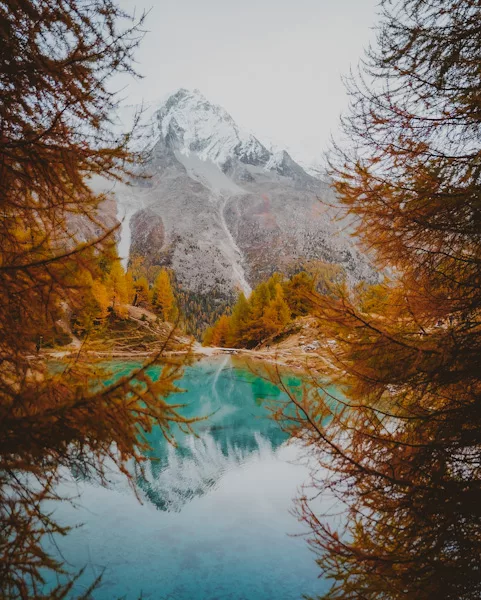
(220, 208)
(206, 129)
(125, 211)
(221, 187)
(207, 173)
(274, 161)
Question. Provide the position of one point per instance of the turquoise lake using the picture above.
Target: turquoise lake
(215, 520)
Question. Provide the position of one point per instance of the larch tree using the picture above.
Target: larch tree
(129, 285)
(116, 284)
(220, 333)
(266, 313)
(162, 296)
(56, 105)
(399, 444)
(141, 292)
(208, 336)
(298, 293)
(239, 322)
(276, 313)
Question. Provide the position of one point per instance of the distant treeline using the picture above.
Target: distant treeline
(215, 318)
(199, 311)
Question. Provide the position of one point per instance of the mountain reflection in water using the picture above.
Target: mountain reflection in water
(236, 430)
(195, 468)
(215, 520)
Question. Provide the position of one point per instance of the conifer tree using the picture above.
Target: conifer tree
(208, 336)
(264, 314)
(141, 292)
(102, 298)
(56, 106)
(221, 332)
(298, 293)
(129, 285)
(116, 285)
(400, 447)
(260, 298)
(276, 313)
(239, 322)
(162, 296)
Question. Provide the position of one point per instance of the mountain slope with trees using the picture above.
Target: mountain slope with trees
(221, 210)
(262, 318)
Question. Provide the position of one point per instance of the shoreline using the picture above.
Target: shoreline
(298, 359)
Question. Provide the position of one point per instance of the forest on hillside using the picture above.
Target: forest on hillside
(273, 305)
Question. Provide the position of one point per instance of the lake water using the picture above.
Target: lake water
(215, 521)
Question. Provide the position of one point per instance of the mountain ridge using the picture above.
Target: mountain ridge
(221, 209)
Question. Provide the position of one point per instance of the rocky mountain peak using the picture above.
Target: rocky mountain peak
(223, 211)
(190, 123)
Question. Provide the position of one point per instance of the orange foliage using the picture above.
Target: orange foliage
(398, 443)
(56, 61)
(162, 297)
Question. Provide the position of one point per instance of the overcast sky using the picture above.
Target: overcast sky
(274, 65)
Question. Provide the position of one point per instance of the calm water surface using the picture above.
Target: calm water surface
(215, 522)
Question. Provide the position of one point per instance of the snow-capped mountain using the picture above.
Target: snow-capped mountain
(208, 130)
(220, 208)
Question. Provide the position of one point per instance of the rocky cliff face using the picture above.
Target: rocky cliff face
(221, 209)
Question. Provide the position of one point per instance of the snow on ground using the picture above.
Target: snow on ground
(206, 172)
(221, 187)
(205, 128)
